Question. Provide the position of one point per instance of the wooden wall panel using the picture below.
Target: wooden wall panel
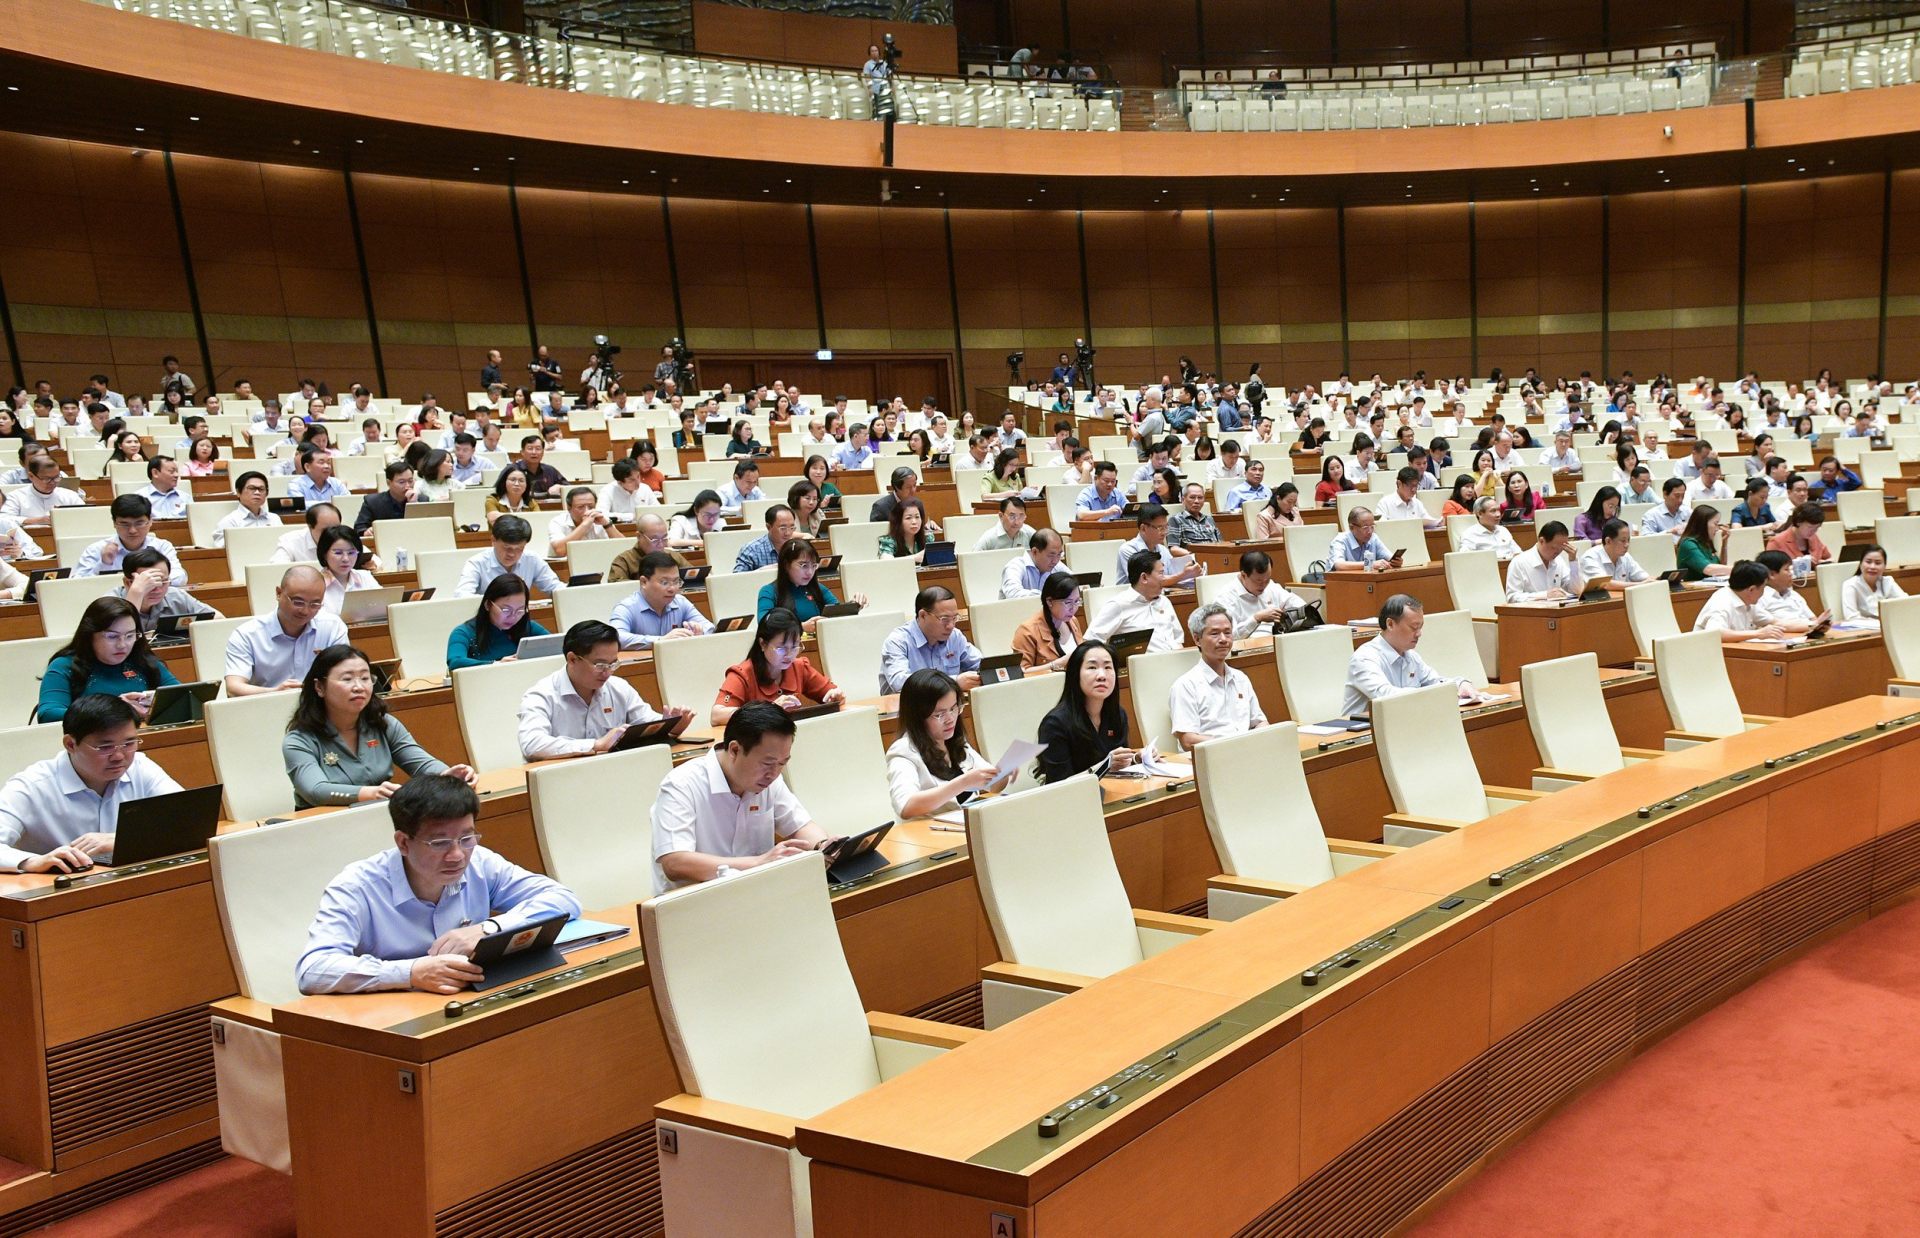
(441, 258)
(1813, 276)
(1539, 285)
(277, 273)
(1019, 286)
(1384, 24)
(1903, 280)
(596, 264)
(1407, 288)
(1674, 280)
(746, 277)
(91, 260)
(883, 277)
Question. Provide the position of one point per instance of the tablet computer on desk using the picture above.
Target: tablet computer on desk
(733, 623)
(692, 576)
(1125, 644)
(801, 713)
(169, 630)
(839, 610)
(828, 566)
(857, 855)
(659, 731)
(39, 574)
(287, 505)
(1087, 580)
(551, 645)
(515, 954)
(169, 824)
(1004, 668)
(175, 704)
(939, 554)
(1852, 552)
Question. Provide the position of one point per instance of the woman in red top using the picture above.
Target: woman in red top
(647, 456)
(1333, 479)
(774, 671)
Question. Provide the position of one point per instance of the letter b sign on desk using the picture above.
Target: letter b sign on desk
(1002, 1226)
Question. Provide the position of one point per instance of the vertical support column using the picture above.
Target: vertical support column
(1346, 329)
(961, 399)
(673, 269)
(366, 281)
(526, 280)
(186, 263)
(1213, 278)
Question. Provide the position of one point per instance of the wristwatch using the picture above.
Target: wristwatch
(490, 926)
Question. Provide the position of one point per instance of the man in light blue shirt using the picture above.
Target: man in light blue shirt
(509, 554)
(58, 815)
(132, 525)
(272, 653)
(1359, 548)
(743, 489)
(930, 639)
(410, 917)
(1101, 500)
(657, 611)
(163, 493)
(1025, 574)
(1670, 515)
(1387, 665)
(315, 481)
(856, 454)
(469, 469)
(1251, 492)
(764, 551)
(1159, 456)
(1152, 522)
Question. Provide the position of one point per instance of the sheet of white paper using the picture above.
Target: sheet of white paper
(1323, 730)
(1017, 755)
(957, 817)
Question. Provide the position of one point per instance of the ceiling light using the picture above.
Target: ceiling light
(626, 182)
(139, 129)
(193, 118)
(359, 141)
(14, 89)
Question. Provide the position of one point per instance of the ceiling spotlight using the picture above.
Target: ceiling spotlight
(509, 158)
(193, 118)
(626, 182)
(14, 89)
(139, 129)
(476, 167)
(359, 141)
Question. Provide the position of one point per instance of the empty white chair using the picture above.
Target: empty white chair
(1339, 112)
(605, 858)
(1571, 727)
(487, 700)
(1203, 117)
(858, 539)
(1228, 117)
(1053, 897)
(735, 593)
(1580, 99)
(1284, 115)
(1429, 768)
(1313, 671)
(1312, 115)
(1606, 98)
(1151, 676)
(62, 602)
(1663, 94)
(1635, 96)
(888, 584)
(420, 631)
(243, 739)
(1693, 682)
(690, 671)
(839, 771)
(732, 1011)
(1834, 74)
(21, 746)
(1900, 628)
(267, 884)
(850, 649)
(1650, 615)
(1449, 645)
(1264, 827)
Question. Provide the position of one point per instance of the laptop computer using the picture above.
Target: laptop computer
(168, 824)
(176, 704)
(1005, 668)
(1125, 644)
(514, 955)
(939, 554)
(550, 646)
(857, 855)
(368, 605)
(429, 511)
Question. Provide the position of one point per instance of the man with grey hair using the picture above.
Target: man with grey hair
(1387, 665)
(1213, 699)
(650, 536)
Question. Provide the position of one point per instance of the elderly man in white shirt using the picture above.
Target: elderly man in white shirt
(1404, 503)
(583, 708)
(1561, 457)
(59, 815)
(1389, 664)
(731, 810)
(1255, 597)
(1487, 533)
(1781, 604)
(1143, 607)
(1025, 573)
(1213, 699)
(1546, 572)
(1709, 485)
(1730, 611)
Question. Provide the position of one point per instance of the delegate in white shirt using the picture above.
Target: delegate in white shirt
(1859, 604)
(1375, 670)
(555, 722)
(1725, 611)
(696, 810)
(46, 805)
(1203, 703)
(1595, 564)
(908, 775)
(1529, 579)
(1243, 606)
(1497, 539)
(1130, 612)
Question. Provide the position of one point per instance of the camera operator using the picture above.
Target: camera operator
(599, 374)
(668, 369)
(879, 71)
(545, 370)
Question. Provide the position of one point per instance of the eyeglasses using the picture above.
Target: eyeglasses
(121, 638)
(440, 846)
(354, 681)
(107, 750)
(300, 603)
(508, 612)
(603, 667)
(948, 715)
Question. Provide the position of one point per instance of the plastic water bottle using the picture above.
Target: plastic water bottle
(400, 559)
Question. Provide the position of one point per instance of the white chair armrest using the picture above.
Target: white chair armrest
(742, 1122)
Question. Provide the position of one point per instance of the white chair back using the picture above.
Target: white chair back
(207, 638)
(732, 1010)
(850, 649)
(391, 537)
(244, 734)
(980, 572)
(62, 602)
(738, 593)
(579, 603)
(1313, 671)
(1151, 677)
(839, 771)
(1253, 793)
(203, 515)
(1004, 712)
(594, 555)
(994, 623)
(23, 663)
(1900, 628)
(605, 858)
(856, 539)
(487, 699)
(1449, 645)
(690, 671)
(1650, 614)
(1473, 581)
(420, 631)
(440, 570)
(889, 584)
(249, 546)
(1422, 744)
(1307, 544)
(1408, 536)
(1568, 715)
(1692, 668)
(723, 547)
(1049, 882)
(21, 746)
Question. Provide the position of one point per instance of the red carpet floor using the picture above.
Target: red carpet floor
(1790, 1111)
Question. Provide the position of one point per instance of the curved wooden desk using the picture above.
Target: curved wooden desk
(1436, 1031)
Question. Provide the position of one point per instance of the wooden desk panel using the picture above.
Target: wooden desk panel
(1781, 682)
(1360, 595)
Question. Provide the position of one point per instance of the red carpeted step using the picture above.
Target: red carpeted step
(227, 1199)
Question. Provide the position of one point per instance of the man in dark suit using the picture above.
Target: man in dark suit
(389, 504)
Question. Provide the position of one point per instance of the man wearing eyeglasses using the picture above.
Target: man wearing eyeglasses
(59, 815)
(410, 917)
(584, 708)
(272, 653)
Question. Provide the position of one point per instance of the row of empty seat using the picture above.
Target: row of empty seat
(1852, 64)
(1483, 72)
(1610, 96)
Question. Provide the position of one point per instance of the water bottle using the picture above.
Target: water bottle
(400, 559)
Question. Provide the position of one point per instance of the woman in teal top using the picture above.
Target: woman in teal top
(495, 631)
(817, 471)
(107, 655)
(794, 588)
(1694, 554)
